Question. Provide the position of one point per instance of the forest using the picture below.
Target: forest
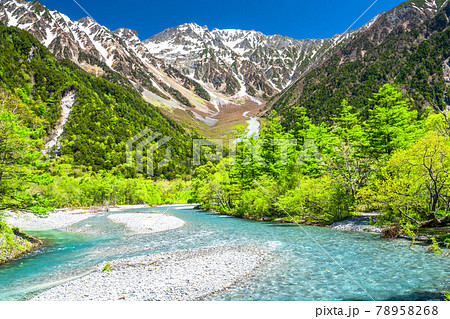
(411, 59)
(395, 161)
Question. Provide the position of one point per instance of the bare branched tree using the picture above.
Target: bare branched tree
(446, 129)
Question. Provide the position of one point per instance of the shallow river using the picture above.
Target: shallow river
(300, 269)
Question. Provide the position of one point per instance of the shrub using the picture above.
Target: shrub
(108, 267)
(318, 199)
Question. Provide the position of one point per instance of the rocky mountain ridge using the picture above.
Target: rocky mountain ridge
(201, 71)
(188, 67)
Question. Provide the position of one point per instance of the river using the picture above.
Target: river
(252, 127)
(300, 270)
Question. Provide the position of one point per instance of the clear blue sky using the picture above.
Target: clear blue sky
(299, 19)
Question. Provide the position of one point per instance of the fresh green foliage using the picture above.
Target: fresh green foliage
(447, 295)
(376, 148)
(391, 124)
(21, 172)
(411, 60)
(6, 235)
(319, 200)
(12, 242)
(434, 247)
(108, 267)
(415, 184)
(85, 189)
(446, 239)
(410, 230)
(382, 162)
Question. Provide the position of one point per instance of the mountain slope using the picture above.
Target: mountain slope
(408, 46)
(103, 117)
(117, 56)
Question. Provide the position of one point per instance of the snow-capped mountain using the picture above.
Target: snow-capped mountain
(103, 52)
(188, 67)
(239, 61)
(227, 63)
(376, 55)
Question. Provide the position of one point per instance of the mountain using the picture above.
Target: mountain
(237, 61)
(192, 73)
(199, 75)
(409, 46)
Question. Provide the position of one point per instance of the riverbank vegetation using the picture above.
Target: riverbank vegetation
(14, 243)
(393, 161)
(29, 181)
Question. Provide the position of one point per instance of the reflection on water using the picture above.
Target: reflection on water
(299, 270)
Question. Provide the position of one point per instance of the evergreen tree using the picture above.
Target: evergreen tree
(391, 123)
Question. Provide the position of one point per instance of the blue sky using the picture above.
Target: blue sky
(299, 19)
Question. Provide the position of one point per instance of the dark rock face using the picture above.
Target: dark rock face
(234, 63)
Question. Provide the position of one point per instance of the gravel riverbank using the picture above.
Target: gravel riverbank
(358, 223)
(181, 275)
(145, 223)
(60, 219)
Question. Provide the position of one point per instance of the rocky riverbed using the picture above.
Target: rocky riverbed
(181, 275)
(63, 219)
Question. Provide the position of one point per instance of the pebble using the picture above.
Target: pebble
(57, 220)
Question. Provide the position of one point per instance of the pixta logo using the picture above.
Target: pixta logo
(150, 144)
(212, 150)
(141, 148)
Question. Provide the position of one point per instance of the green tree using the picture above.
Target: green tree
(391, 124)
(319, 200)
(347, 164)
(347, 125)
(416, 183)
(18, 154)
(301, 124)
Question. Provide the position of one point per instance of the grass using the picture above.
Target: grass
(160, 104)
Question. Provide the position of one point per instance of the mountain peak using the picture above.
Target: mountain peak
(126, 34)
(193, 26)
(86, 21)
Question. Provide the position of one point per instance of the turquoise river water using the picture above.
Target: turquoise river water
(299, 270)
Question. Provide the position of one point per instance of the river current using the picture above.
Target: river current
(309, 263)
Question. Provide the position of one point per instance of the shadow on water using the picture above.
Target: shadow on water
(418, 296)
